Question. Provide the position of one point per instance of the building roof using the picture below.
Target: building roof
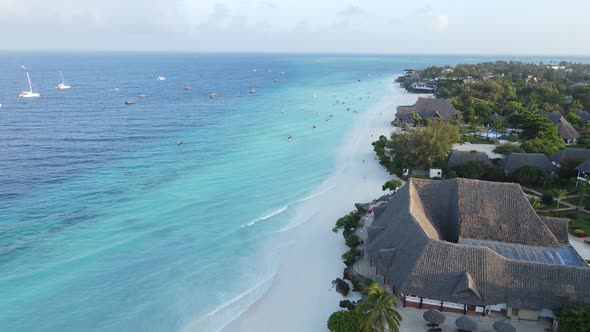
(565, 129)
(584, 115)
(584, 166)
(561, 156)
(460, 158)
(515, 161)
(434, 240)
(428, 108)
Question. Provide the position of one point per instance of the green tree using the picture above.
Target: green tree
(559, 194)
(432, 144)
(574, 318)
(392, 185)
(506, 149)
(471, 170)
(378, 311)
(344, 321)
(545, 146)
(535, 203)
(535, 125)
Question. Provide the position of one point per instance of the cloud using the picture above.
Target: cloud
(352, 11)
(424, 10)
(442, 21)
(268, 4)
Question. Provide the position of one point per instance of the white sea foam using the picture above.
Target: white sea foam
(268, 216)
(221, 316)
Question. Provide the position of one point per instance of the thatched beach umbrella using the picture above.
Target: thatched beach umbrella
(434, 317)
(466, 324)
(503, 326)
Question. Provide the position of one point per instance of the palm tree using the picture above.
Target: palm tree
(559, 194)
(534, 202)
(378, 311)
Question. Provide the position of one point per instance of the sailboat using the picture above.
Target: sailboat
(62, 85)
(30, 93)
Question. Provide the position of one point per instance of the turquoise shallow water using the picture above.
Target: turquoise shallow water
(107, 225)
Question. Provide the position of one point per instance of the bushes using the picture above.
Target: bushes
(527, 175)
(347, 223)
(547, 198)
(344, 321)
(579, 233)
(349, 257)
(352, 241)
(574, 318)
(471, 170)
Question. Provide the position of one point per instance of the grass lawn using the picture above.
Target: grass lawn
(576, 201)
(549, 189)
(545, 206)
(579, 220)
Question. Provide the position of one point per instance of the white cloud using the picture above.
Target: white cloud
(352, 11)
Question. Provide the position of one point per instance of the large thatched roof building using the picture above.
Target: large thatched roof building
(427, 109)
(460, 158)
(476, 243)
(566, 131)
(515, 161)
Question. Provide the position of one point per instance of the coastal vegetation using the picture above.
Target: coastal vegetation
(348, 224)
(574, 318)
(375, 313)
(421, 148)
(392, 185)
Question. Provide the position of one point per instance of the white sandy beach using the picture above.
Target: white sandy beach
(301, 297)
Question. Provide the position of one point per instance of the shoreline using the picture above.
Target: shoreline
(312, 257)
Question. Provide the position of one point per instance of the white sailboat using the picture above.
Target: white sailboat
(30, 93)
(62, 85)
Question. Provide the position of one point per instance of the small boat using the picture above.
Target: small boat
(253, 91)
(129, 102)
(187, 88)
(269, 71)
(313, 127)
(30, 93)
(283, 110)
(179, 142)
(115, 89)
(290, 138)
(161, 78)
(213, 95)
(62, 84)
(143, 96)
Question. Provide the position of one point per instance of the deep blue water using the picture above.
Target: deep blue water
(106, 224)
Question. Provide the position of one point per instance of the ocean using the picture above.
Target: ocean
(108, 224)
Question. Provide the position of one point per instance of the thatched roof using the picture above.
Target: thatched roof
(514, 161)
(565, 129)
(568, 153)
(428, 108)
(437, 239)
(584, 166)
(434, 316)
(584, 115)
(466, 324)
(460, 158)
(558, 227)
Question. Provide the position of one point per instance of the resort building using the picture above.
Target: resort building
(515, 161)
(427, 109)
(565, 129)
(474, 246)
(460, 158)
(578, 155)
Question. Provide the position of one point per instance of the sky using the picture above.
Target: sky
(522, 27)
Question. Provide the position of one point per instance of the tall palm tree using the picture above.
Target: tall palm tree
(559, 195)
(378, 311)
